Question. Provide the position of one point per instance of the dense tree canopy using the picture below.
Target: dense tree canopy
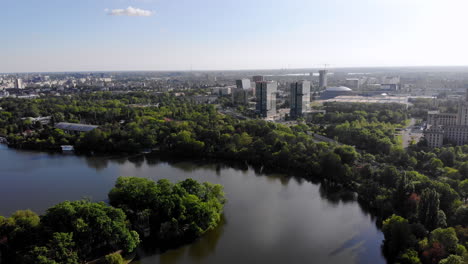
(69, 232)
(184, 210)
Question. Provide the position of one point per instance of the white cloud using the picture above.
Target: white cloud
(129, 11)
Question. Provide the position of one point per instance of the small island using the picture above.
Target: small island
(84, 231)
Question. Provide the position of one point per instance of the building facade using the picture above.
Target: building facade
(447, 127)
(435, 118)
(299, 99)
(265, 93)
(19, 84)
(353, 83)
(240, 96)
(323, 81)
(462, 115)
(258, 78)
(243, 84)
(434, 137)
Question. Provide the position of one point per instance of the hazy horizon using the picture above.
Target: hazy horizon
(314, 69)
(209, 35)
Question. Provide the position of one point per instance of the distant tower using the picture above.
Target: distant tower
(19, 83)
(243, 84)
(323, 79)
(462, 116)
(258, 78)
(299, 98)
(266, 98)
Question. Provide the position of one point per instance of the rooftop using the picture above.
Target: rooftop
(75, 127)
(339, 89)
(369, 99)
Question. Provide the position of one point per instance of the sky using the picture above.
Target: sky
(120, 35)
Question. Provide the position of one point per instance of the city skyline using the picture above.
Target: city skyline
(147, 35)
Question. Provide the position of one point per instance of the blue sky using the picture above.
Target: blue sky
(81, 35)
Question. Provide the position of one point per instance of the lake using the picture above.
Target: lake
(269, 218)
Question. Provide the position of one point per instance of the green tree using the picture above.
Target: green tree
(452, 259)
(114, 258)
(96, 140)
(347, 153)
(463, 169)
(447, 157)
(429, 214)
(333, 169)
(172, 211)
(463, 187)
(22, 229)
(409, 257)
(38, 255)
(60, 249)
(447, 237)
(461, 216)
(97, 228)
(398, 237)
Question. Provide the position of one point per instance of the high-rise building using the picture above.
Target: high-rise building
(299, 98)
(323, 79)
(265, 92)
(240, 96)
(19, 84)
(258, 78)
(243, 84)
(466, 95)
(462, 117)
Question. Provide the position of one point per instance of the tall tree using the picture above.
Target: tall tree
(429, 214)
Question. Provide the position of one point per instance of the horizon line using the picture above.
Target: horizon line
(245, 69)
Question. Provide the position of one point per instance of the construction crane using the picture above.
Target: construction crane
(325, 66)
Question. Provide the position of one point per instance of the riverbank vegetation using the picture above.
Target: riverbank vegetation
(82, 231)
(413, 191)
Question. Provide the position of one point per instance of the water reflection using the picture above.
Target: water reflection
(207, 245)
(269, 218)
(120, 160)
(173, 256)
(351, 243)
(97, 163)
(137, 160)
(153, 161)
(336, 195)
(196, 252)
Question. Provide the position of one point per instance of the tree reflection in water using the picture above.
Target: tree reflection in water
(196, 251)
(97, 163)
(336, 194)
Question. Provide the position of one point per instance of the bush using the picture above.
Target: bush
(114, 258)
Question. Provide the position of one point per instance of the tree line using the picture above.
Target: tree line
(419, 189)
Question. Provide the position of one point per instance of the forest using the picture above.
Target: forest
(418, 194)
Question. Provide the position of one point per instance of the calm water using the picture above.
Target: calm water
(268, 218)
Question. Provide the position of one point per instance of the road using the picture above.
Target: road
(233, 113)
(410, 133)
